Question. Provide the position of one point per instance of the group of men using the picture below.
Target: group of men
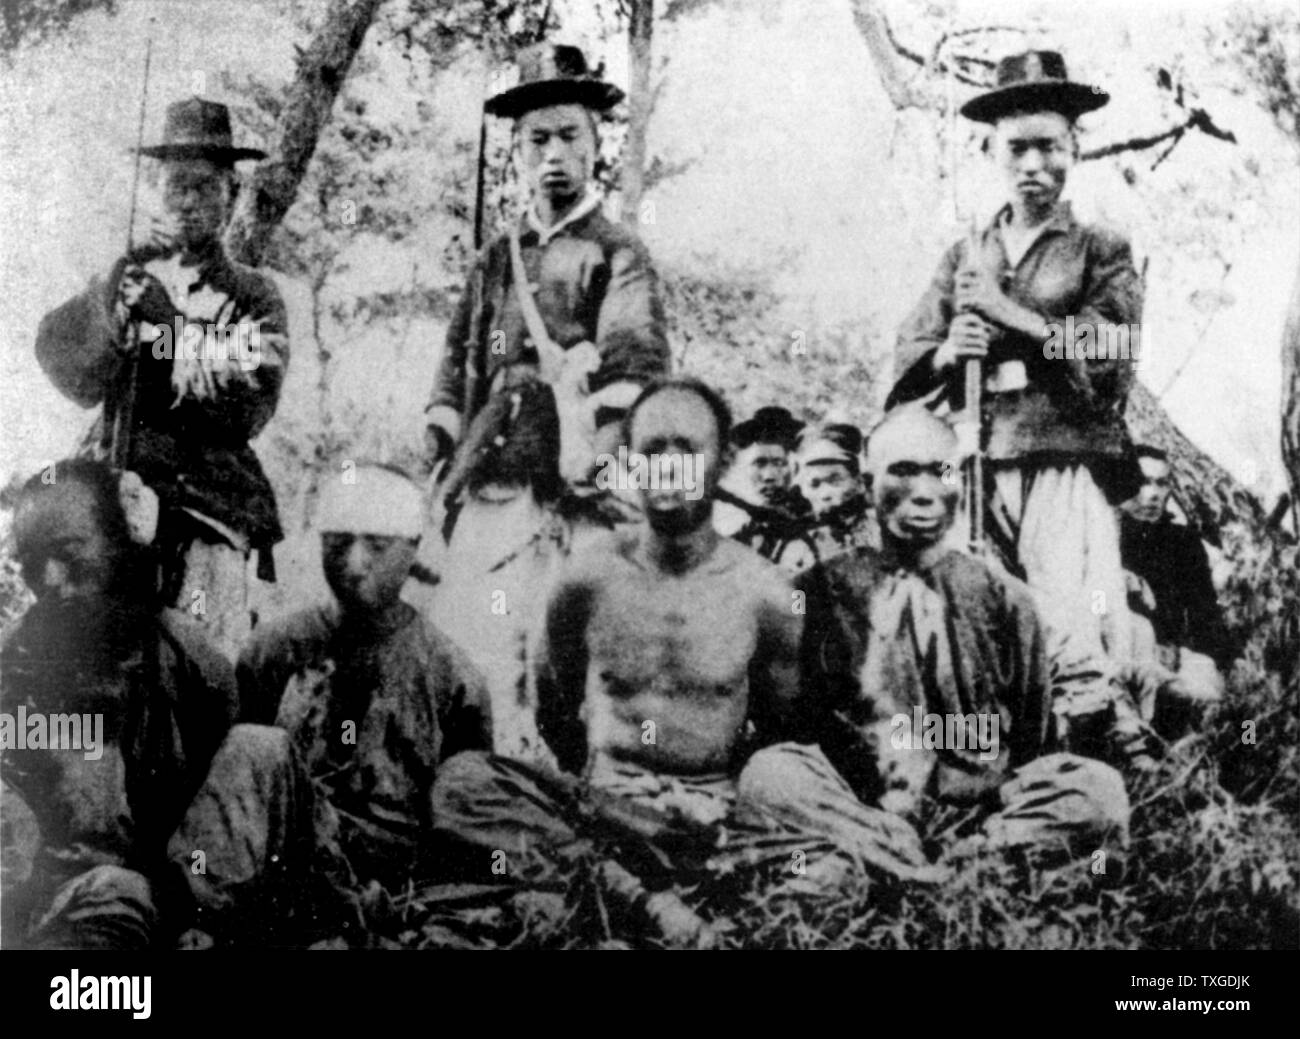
(822, 694)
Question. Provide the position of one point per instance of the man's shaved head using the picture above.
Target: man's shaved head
(912, 461)
(716, 402)
(71, 536)
(911, 434)
(680, 417)
(94, 586)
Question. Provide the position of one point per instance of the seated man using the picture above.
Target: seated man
(766, 511)
(1176, 612)
(373, 698)
(662, 646)
(938, 667)
(111, 715)
(829, 477)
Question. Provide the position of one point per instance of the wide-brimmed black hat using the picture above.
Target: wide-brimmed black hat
(199, 129)
(1034, 80)
(553, 74)
(769, 425)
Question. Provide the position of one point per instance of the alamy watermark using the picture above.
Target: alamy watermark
(193, 341)
(32, 730)
(1092, 341)
(923, 730)
(131, 992)
(638, 472)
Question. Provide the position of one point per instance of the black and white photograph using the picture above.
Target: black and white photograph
(650, 475)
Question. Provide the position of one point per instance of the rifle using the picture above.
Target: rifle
(480, 181)
(124, 412)
(972, 405)
(438, 493)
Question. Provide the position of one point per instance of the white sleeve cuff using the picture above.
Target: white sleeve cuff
(615, 395)
(445, 418)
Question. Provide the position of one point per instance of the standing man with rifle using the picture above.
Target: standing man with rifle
(559, 327)
(186, 352)
(1056, 449)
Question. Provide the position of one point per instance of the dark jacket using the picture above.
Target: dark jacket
(594, 283)
(844, 528)
(167, 701)
(1072, 409)
(1171, 559)
(781, 534)
(194, 454)
(411, 696)
(989, 634)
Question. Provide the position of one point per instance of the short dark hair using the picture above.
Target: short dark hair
(96, 477)
(594, 120)
(1151, 451)
(986, 146)
(716, 402)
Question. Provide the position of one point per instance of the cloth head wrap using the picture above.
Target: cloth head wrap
(371, 500)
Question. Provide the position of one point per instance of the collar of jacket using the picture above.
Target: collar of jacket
(1062, 221)
(891, 561)
(581, 211)
(212, 256)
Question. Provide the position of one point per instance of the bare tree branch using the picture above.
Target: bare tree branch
(1199, 119)
(1291, 397)
(640, 100)
(322, 69)
(969, 59)
(659, 171)
(885, 53)
(1197, 342)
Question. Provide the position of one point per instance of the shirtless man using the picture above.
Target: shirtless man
(670, 655)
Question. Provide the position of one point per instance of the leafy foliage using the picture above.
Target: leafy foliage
(31, 22)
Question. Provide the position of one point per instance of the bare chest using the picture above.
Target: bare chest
(666, 636)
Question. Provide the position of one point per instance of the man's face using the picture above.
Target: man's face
(767, 468)
(1148, 505)
(197, 195)
(1035, 151)
(828, 485)
(678, 422)
(914, 503)
(366, 571)
(62, 547)
(558, 145)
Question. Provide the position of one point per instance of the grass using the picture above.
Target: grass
(1213, 863)
(1214, 860)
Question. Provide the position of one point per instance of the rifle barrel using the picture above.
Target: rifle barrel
(124, 412)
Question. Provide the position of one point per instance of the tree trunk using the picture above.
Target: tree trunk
(1291, 399)
(902, 90)
(639, 35)
(322, 69)
(1209, 494)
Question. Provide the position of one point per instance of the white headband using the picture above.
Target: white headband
(370, 500)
